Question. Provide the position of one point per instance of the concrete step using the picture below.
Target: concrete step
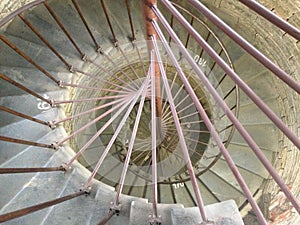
(38, 53)
(39, 109)
(253, 180)
(140, 212)
(223, 213)
(45, 187)
(221, 188)
(13, 184)
(105, 195)
(242, 156)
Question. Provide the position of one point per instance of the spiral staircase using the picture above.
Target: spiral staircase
(85, 95)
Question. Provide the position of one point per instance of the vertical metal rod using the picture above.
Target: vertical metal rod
(245, 45)
(50, 10)
(27, 58)
(121, 70)
(114, 75)
(98, 48)
(131, 145)
(236, 78)
(89, 111)
(30, 170)
(153, 136)
(212, 130)
(24, 142)
(93, 88)
(230, 114)
(130, 20)
(87, 99)
(32, 209)
(23, 115)
(2, 76)
(41, 37)
(132, 102)
(103, 81)
(91, 122)
(272, 17)
(180, 134)
(188, 36)
(109, 23)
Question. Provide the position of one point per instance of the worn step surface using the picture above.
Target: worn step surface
(224, 213)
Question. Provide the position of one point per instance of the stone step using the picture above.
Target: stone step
(13, 184)
(38, 53)
(223, 213)
(242, 156)
(220, 188)
(45, 187)
(104, 197)
(140, 213)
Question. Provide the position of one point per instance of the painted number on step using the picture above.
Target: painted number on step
(43, 106)
(200, 61)
(178, 185)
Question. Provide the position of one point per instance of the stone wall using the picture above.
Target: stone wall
(8, 6)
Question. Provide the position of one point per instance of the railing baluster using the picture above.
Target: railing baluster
(205, 117)
(24, 142)
(130, 20)
(6, 78)
(130, 148)
(57, 102)
(235, 77)
(26, 57)
(52, 13)
(88, 111)
(23, 115)
(92, 122)
(98, 47)
(182, 141)
(115, 40)
(188, 36)
(130, 104)
(32, 209)
(31, 170)
(230, 115)
(43, 39)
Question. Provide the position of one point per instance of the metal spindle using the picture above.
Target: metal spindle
(18, 85)
(57, 102)
(236, 78)
(32, 209)
(230, 115)
(27, 58)
(130, 20)
(13, 112)
(132, 102)
(92, 122)
(130, 146)
(52, 13)
(179, 131)
(88, 111)
(30, 170)
(98, 47)
(25, 142)
(211, 128)
(44, 40)
(115, 40)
